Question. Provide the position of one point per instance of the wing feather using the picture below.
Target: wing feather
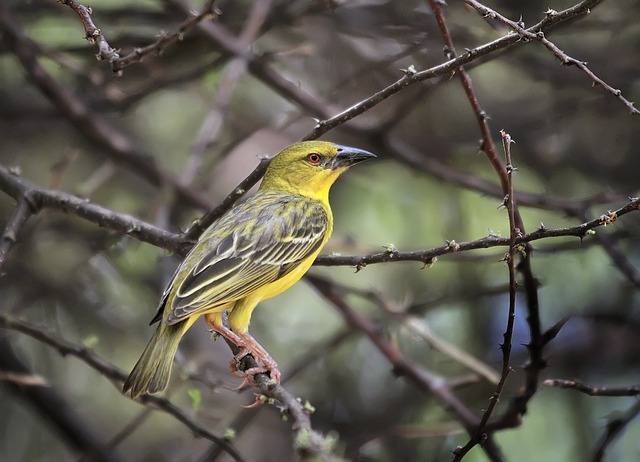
(257, 243)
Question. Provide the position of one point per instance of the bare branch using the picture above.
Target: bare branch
(565, 59)
(614, 428)
(592, 390)
(91, 125)
(118, 62)
(116, 376)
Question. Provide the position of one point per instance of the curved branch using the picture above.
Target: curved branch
(91, 125)
(116, 376)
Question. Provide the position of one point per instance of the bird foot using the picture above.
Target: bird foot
(248, 346)
(266, 366)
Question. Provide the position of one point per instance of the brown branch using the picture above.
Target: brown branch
(116, 376)
(614, 428)
(39, 198)
(76, 432)
(92, 33)
(565, 59)
(13, 228)
(429, 256)
(591, 390)
(318, 352)
(308, 443)
(112, 55)
(425, 380)
(411, 76)
(91, 125)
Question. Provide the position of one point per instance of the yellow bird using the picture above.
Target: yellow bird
(255, 251)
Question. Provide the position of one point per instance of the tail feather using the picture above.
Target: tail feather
(152, 371)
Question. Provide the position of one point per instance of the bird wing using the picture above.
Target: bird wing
(255, 244)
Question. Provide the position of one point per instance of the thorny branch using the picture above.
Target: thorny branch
(566, 60)
(41, 198)
(593, 390)
(614, 428)
(310, 442)
(93, 126)
(105, 52)
(116, 376)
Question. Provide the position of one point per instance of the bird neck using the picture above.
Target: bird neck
(316, 188)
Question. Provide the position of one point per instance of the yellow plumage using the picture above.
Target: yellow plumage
(255, 251)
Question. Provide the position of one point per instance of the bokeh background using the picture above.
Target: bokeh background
(248, 84)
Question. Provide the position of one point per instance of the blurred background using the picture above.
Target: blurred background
(254, 80)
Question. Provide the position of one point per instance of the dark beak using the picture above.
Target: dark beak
(347, 157)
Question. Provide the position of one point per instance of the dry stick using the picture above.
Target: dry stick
(73, 429)
(92, 33)
(116, 376)
(411, 76)
(514, 232)
(41, 198)
(234, 70)
(428, 256)
(410, 156)
(618, 258)
(257, 65)
(423, 379)
(105, 52)
(308, 442)
(92, 126)
(565, 59)
(312, 355)
(13, 228)
(592, 390)
(536, 360)
(614, 428)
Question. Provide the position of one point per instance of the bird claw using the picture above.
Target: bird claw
(248, 377)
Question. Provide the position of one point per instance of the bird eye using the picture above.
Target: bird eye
(314, 158)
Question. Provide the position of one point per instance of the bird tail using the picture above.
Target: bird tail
(151, 372)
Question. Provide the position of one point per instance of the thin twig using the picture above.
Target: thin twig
(565, 59)
(13, 228)
(422, 378)
(105, 52)
(592, 390)
(41, 198)
(614, 428)
(429, 256)
(90, 124)
(412, 76)
(116, 376)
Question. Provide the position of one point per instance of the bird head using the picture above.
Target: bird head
(310, 168)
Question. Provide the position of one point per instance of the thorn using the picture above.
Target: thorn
(410, 71)
(453, 245)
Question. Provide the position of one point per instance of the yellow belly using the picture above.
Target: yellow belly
(240, 315)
